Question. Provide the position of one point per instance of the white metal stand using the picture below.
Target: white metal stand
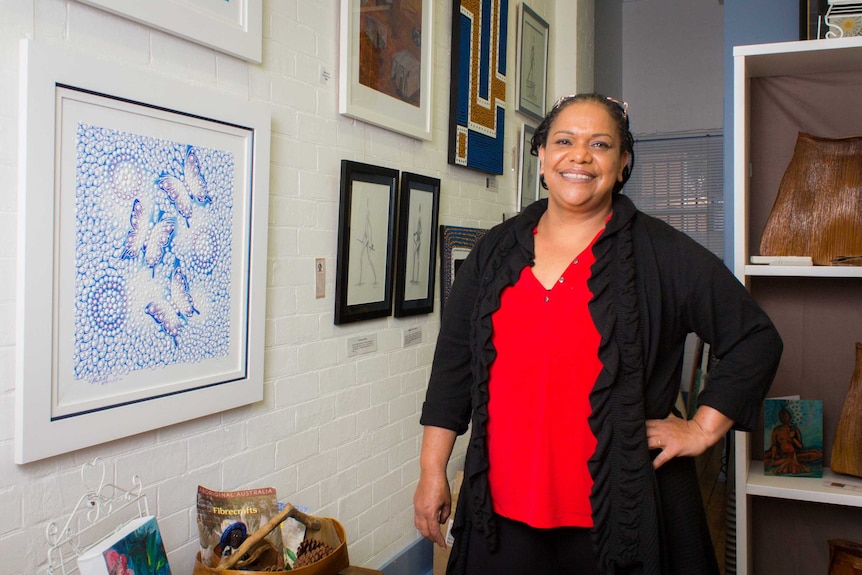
(101, 510)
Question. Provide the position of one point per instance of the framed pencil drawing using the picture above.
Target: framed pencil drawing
(386, 64)
(232, 26)
(533, 36)
(528, 170)
(418, 205)
(142, 262)
(455, 245)
(366, 242)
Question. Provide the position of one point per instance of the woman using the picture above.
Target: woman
(562, 342)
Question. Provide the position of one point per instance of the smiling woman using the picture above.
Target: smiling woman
(574, 377)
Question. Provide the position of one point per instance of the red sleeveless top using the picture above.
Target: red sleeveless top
(547, 362)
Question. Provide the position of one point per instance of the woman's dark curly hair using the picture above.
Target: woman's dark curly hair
(618, 111)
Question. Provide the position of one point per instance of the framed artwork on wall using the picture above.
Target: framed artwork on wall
(142, 252)
(455, 245)
(533, 37)
(386, 64)
(811, 12)
(528, 170)
(477, 105)
(418, 206)
(231, 26)
(366, 242)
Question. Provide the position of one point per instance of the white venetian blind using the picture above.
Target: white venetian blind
(678, 179)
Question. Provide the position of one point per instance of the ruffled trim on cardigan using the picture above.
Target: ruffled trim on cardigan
(625, 527)
(508, 248)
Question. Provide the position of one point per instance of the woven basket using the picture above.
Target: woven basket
(818, 210)
(329, 565)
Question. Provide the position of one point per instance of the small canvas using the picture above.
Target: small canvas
(793, 437)
(135, 549)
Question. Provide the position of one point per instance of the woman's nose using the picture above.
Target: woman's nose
(580, 154)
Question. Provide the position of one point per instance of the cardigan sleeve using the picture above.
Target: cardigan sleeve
(723, 313)
(448, 398)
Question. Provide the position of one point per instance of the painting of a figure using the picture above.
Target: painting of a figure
(793, 437)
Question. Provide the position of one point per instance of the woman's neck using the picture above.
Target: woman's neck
(571, 228)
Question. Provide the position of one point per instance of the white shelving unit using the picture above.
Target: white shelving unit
(754, 63)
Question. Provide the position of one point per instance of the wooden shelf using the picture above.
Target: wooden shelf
(804, 488)
(762, 75)
(804, 271)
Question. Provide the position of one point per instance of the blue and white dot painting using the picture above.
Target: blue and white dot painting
(152, 253)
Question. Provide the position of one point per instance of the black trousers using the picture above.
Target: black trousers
(525, 550)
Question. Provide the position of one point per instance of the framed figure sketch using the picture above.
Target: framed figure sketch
(528, 170)
(366, 248)
(532, 86)
(417, 244)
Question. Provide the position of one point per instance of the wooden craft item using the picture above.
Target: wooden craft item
(818, 209)
(845, 557)
(847, 448)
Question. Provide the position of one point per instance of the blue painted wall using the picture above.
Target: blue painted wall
(748, 22)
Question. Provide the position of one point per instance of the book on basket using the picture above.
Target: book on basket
(226, 518)
(134, 549)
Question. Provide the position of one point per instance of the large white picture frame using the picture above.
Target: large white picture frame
(230, 26)
(393, 89)
(141, 252)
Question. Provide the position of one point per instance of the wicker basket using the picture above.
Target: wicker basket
(329, 565)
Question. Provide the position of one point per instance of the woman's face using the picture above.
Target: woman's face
(582, 159)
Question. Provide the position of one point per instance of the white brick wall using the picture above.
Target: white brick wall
(337, 434)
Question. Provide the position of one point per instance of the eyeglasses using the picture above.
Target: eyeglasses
(624, 106)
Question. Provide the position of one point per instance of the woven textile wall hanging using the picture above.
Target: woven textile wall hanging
(477, 108)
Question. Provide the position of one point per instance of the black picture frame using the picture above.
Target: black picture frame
(455, 244)
(811, 14)
(529, 179)
(417, 244)
(363, 278)
(532, 65)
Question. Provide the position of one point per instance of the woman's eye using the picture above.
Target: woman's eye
(602, 145)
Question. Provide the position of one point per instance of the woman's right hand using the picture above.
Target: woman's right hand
(432, 505)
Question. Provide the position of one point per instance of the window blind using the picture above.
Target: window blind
(678, 179)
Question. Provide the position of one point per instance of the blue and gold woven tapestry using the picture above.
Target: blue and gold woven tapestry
(478, 98)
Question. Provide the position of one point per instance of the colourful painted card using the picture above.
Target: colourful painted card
(136, 549)
(793, 437)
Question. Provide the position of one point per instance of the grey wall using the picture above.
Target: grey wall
(747, 22)
(608, 64)
(672, 66)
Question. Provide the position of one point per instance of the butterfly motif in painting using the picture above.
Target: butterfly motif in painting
(190, 187)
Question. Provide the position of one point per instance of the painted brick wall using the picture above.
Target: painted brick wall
(339, 435)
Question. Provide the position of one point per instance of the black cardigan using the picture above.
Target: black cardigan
(652, 286)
